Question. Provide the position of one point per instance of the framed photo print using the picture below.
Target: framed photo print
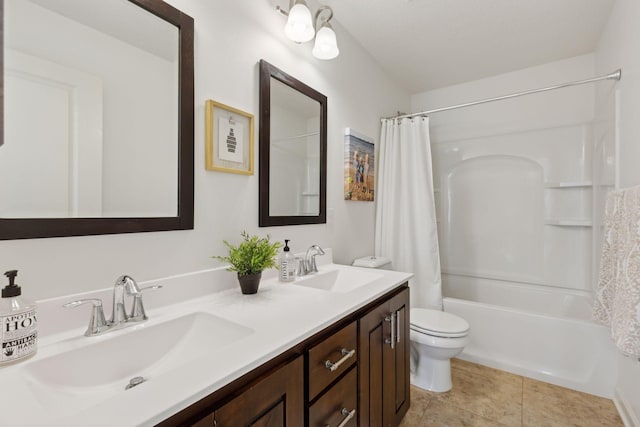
(359, 166)
(228, 139)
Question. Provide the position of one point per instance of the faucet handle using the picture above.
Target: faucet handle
(97, 323)
(137, 308)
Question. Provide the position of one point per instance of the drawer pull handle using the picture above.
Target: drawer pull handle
(346, 354)
(348, 416)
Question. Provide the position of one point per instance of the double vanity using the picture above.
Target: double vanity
(328, 349)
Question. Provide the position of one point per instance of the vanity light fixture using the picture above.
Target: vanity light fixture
(300, 28)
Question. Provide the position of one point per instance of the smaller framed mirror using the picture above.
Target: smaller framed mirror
(293, 150)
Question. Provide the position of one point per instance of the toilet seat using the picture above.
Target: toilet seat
(438, 323)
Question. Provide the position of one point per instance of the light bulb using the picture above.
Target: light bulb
(299, 26)
(326, 46)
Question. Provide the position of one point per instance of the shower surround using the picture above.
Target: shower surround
(519, 189)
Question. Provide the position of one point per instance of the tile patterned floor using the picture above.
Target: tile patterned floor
(486, 397)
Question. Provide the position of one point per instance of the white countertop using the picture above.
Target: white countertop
(280, 316)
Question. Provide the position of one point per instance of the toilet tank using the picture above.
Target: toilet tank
(381, 262)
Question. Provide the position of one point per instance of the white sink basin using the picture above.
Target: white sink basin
(339, 280)
(147, 351)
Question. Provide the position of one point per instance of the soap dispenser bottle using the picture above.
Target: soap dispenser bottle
(19, 336)
(287, 264)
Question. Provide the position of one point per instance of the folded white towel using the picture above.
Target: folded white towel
(617, 302)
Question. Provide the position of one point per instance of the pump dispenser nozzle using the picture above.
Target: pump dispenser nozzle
(12, 289)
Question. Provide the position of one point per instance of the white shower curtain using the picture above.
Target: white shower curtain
(406, 229)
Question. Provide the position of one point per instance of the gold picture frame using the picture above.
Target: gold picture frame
(235, 128)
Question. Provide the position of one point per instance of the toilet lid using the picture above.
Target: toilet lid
(438, 323)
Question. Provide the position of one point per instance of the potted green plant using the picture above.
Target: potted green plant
(253, 255)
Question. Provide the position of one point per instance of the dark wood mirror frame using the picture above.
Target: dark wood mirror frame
(267, 72)
(27, 228)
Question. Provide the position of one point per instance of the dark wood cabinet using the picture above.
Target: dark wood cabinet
(273, 401)
(384, 363)
(333, 379)
(355, 372)
(332, 357)
(339, 404)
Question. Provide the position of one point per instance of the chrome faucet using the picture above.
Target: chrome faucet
(308, 264)
(119, 317)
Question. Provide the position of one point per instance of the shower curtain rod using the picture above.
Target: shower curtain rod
(616, 75)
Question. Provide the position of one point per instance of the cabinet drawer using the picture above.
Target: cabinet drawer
(337, 404)
(339, 349)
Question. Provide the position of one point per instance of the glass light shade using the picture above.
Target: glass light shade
(299, 26)
(326, 46)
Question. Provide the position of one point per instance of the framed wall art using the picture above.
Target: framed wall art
(228, 139)
(359, 166)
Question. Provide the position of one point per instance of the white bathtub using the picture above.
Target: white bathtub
(536, 331)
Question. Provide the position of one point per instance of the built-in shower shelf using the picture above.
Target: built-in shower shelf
(568, 184)
(568, 222)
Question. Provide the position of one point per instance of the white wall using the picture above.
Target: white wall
(619, 47)
(230, 38)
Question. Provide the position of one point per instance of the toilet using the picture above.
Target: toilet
(435, 337)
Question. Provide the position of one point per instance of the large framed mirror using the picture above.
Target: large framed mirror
(98, 131)
(293, 150)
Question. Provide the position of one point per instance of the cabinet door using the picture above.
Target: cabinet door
(274, 401)
(374, 330)
(383, 367)
(399, 374)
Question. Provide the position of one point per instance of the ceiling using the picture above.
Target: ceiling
(427, 44)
